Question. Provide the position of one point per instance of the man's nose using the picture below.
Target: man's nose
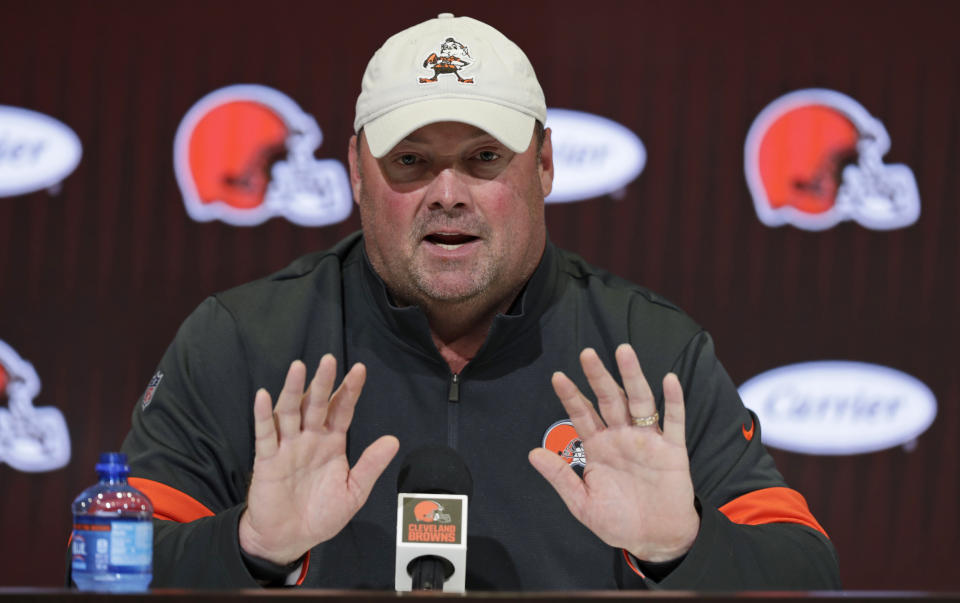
(448, 190)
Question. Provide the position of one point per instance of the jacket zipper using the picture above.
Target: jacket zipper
(453, 410)
(454, 395)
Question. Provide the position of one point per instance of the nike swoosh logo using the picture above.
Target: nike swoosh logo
(747, 433)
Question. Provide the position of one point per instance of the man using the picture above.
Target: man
(452, 320)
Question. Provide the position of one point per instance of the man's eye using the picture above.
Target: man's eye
(407, 159)
(488, 156)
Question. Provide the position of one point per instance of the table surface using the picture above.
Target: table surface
(356, 596)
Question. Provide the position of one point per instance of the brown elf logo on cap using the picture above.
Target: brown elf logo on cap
(451, 58)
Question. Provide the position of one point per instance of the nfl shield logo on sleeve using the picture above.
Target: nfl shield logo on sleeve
(151, 389)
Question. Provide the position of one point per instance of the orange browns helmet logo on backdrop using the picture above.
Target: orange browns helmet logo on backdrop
(31, 439)
(244, 154)
(564, 440)
(813, 158)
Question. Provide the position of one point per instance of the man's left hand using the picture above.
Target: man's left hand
(636, 492)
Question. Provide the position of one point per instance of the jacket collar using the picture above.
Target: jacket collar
(410, 323)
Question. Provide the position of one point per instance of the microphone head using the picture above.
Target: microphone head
(434, 470)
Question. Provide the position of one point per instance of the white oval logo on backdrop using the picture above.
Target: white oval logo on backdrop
(839, 407)
(36, 151)
(592, 155)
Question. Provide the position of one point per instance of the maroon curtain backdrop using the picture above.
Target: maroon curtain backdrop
(96, 277)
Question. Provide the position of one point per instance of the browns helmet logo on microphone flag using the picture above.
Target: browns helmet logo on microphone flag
(430, 511)
(431, 520)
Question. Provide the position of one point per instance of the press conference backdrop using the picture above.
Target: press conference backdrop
(786, 172)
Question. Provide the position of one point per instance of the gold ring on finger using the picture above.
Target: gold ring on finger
(646, 421)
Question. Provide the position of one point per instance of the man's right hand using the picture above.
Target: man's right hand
(303, 490)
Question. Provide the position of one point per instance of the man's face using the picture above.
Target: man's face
(452, 215)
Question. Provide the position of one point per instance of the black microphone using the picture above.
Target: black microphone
(432, 491)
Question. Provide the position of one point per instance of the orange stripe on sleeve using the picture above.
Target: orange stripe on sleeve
(170, 503)
(771, 505)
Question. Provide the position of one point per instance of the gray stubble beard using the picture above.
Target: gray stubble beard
(418, 288)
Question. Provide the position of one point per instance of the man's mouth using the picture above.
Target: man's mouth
(449, 240)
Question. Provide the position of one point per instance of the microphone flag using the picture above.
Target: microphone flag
(432, 525)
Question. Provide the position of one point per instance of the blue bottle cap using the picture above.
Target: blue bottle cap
(113, 463)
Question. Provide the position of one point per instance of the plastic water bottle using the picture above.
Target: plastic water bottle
(112, 543)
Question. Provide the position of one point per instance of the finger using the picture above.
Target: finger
(288, 403)
(674, 420)
(610, 397)
(344, 400)
(585, 419)
(264, 429)
(371, 465)
(563, 479)
(317, 398)
(640, 398)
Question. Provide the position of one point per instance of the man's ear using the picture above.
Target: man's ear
(353, 158)
(546, 164)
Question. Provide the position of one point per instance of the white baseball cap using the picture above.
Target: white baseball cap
(449, 69)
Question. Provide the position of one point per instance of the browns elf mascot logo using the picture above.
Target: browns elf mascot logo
(450, 59)
(563, 439)
(813, 158)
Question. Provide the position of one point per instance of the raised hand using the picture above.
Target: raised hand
(636, 492)
(303, 490)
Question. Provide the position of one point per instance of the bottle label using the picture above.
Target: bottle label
(112, 545)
